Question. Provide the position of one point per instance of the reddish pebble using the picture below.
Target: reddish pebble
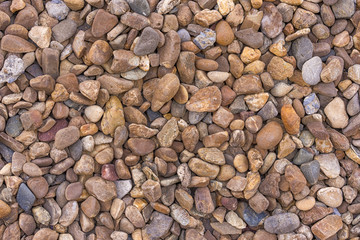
(50, 135)
(229, 203)
(108, 172)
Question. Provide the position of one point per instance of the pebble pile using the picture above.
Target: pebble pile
(189, 120)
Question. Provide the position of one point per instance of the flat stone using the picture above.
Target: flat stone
(271, 23)
(103, 23)
(331, 196)
(148, 42)
(66, 137)
(15, 44)
(327, 227)
(282, 223)
(159, 226)
(203, 200)
(101, 189)
(64, 30)
(343, 9)
(311, 70)
(336, 113)
(302, 50)
(123, 187)
(295, 178)
(311, 171)
(25, 197)
(205, 100)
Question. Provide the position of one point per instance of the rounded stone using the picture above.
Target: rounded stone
(269, 136)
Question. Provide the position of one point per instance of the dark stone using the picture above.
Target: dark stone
(6, 152)
(303, 156)
(14, 126)
(25, 197)
(311, 171)
(250, 216)
(76, 150)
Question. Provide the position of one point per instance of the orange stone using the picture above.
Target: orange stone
(224, 33)
(88, 129)
(290, 119)
(327, 227)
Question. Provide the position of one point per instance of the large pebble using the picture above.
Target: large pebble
(282, 223)
(66, 137)
(336, 113)
(101, 189)
(311, 70)
(331, 196)
(205, 100)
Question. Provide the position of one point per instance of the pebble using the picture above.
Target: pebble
(66, 137)
(269, 136)
(25, 197)
(302, 50)
(123, 187)
(113, 116)
(5, 209)
(343, 9)
(101, 189)
(205, 39)
(155, 230)
(311, 171)
(306, 204)
(280, 69)
(282, 223)
(290, 119)
(203, 169)
(340, 119)
(311, 103)
(205, 100)
(250, 216)
(271, 23)
(12, 68)
(41, 36)
(203, 200)
(15, 44)
(327, 227)
(57, 9)
(331, 196)
(295, 178)
(151, 190)
(329, 164)
(148, 42)
(103, 22)
(64, 30)
(311, 70)
(224, 33)
(171, 84)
